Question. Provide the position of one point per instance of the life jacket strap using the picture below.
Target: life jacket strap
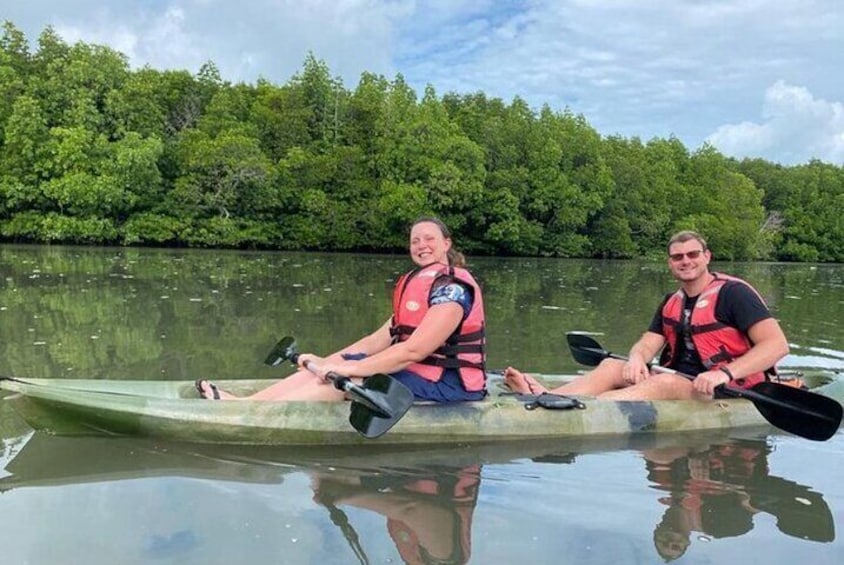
(451, 363)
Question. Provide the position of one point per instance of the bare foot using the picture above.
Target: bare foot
(522, 382)
(210, 391)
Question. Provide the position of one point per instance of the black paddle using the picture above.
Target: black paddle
(377, 404)
(800, 412)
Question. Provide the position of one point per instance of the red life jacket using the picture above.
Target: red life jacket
(716, 343)
(464, 350)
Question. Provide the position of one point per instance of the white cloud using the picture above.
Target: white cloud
(795, 127)
(157, 39)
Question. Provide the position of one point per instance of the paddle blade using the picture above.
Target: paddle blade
(375, 401)
(586, 350)
(800, 512)
(284, 350)
(388, 393)
(797, 411)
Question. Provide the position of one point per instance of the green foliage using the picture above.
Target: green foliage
(11, 87)
(82, 194)
(611, 236)
(141, 106)
(150, 228)
(800, 252)
(14, 49)
(213, 232)
(221, 176)
(280, 118)
(26, 136)
(398, 205)
(321, 97)
(94, 152)
(132, 168)
(52, 227)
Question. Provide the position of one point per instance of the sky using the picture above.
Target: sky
(754, 78)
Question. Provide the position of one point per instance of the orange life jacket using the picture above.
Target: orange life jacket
(464, 350)
(716, 343)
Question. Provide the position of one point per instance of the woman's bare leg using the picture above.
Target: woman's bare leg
(301, 385)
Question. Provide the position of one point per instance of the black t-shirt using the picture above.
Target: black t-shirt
(738, 306)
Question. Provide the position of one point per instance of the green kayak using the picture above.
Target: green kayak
(173, 410)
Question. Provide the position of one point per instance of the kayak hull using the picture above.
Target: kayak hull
(173, 410)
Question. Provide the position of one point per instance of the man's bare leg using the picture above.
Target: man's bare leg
(605, 377)
(659, 386)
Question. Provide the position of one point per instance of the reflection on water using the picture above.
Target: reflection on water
(411, 505)
(428, 511)
(716, 490)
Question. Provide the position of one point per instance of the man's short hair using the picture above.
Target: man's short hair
(684, 236)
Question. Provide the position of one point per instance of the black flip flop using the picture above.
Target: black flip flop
(214, 391)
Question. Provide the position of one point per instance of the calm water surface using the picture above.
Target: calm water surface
(118, 313)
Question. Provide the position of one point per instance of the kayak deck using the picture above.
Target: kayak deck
(174, 410)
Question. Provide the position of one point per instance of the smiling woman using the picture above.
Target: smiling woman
(434, 342)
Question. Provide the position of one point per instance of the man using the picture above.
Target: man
(715, 327)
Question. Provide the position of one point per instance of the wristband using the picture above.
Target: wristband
(727, 372)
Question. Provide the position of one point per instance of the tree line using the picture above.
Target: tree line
(93, 152)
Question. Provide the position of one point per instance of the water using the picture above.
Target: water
(118, 313)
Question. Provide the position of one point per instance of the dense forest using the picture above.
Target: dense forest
(94, 152)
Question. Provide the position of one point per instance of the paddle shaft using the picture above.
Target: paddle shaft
(357, 392)
(376, 405)
(747, 393)
(339, 518)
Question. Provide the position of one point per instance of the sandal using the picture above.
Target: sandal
(215, 392)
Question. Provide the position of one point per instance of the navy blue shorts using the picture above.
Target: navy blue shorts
(448, 389)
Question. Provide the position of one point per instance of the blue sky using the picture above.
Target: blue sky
(755, 78)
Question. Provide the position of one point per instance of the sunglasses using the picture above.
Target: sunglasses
(677, 257)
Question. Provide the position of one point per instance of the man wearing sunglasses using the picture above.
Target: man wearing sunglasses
(715, 327)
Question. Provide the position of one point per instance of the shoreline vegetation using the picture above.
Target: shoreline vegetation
(93, 152)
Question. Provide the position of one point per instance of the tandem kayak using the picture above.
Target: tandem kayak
(173, 410)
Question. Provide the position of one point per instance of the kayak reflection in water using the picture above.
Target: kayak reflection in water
(429, 515)
(717, 491)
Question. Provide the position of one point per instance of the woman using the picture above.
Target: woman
(434, 342)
